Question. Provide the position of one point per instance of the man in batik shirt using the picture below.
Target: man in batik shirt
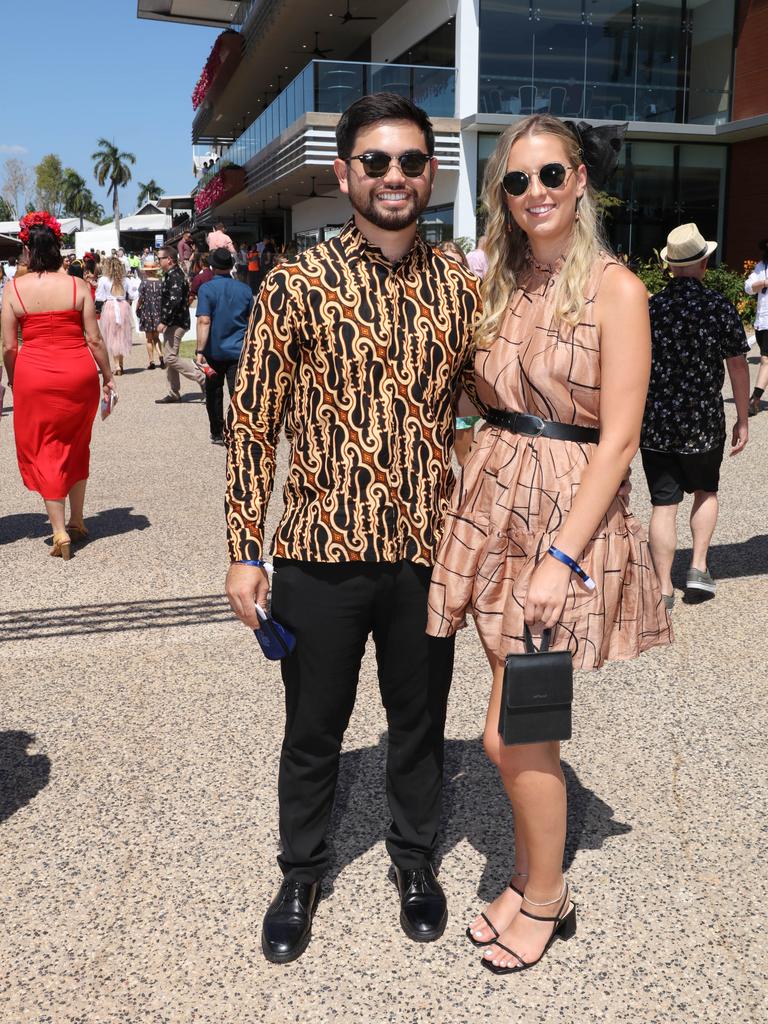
(695, 331)
(359, 346)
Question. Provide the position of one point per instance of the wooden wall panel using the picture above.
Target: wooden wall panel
(747, 219)
(750, 86)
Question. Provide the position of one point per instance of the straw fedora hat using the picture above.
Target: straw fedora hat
(686, 245)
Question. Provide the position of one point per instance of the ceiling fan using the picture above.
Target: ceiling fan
(314, 194)
(317, 51)
(348, 16)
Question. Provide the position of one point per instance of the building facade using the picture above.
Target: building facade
(686, 75)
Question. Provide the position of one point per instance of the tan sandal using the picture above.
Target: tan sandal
(77, 533)
(62, 546)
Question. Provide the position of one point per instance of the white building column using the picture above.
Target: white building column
(467, 100)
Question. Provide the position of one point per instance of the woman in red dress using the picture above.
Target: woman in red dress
(54, 378)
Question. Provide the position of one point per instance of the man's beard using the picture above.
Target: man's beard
(388, 220)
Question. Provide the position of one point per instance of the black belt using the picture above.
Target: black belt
(535, 426)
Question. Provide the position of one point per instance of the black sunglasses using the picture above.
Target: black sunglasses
(516, 183)
(376, 163)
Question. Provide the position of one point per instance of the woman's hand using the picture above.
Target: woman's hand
(547, 591)
(108, 388)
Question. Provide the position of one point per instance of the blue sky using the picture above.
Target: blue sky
(72, 72)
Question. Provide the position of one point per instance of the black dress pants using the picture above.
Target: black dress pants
(226, 369)
(332, 609)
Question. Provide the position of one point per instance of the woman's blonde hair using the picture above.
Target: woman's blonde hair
(115, 271)
(506, 243)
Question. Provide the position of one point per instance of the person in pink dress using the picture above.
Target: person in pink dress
(116, 291)
(538, 534)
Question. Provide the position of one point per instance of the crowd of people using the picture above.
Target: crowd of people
(362, 348)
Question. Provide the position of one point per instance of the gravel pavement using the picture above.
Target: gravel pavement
(139, 736)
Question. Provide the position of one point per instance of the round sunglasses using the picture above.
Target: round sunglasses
(376, 163)
(517, 183)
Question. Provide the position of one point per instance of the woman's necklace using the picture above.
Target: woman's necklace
(544, 268)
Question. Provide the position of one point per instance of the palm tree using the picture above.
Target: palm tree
(149, 190)
(112, 166)
(76, 195)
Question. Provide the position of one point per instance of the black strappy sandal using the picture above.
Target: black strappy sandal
(487, 942)
(565, 928)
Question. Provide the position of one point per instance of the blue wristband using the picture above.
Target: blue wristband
(574, 566)
(251, 561)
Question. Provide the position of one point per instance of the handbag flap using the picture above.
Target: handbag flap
(538, 680)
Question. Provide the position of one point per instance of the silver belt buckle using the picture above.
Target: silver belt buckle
(539, 422)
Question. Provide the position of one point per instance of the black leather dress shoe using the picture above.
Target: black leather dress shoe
(287, 926)
(423, 910)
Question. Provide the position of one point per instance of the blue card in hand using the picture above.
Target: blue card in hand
(276, 641)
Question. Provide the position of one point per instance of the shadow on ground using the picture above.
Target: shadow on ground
(117, 617)
(727, 561)
(475, 808)
(109, 522)
(22, 775)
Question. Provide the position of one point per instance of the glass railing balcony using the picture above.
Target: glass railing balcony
(330, 86)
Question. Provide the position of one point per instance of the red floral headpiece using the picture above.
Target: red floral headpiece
(38, 217)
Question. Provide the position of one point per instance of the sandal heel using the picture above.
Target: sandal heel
(567, 927)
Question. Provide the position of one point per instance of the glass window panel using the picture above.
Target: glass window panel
(661, 61)
(506, 54)
(710, 41)
(611, 55)
(436, 224)
(338, 85)
(559, 51)
(434, 89)
(438, 49)
(701, 191)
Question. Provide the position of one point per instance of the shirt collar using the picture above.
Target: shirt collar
(357, 247)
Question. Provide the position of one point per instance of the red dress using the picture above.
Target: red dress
(55, 399)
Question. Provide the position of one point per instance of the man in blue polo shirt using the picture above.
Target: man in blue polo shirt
(223, 309)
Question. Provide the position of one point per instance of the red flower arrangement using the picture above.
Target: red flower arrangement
(207, 75)
(41, 217)
(210, 194)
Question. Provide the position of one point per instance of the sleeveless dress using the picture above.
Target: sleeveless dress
(514, 493)
(55, 399)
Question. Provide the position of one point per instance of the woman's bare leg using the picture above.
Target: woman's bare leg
(55, 510)
(77, 503)
(534, 781)
(504, 908)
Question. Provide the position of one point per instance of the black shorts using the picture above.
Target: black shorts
(761, 337)
(670, 474)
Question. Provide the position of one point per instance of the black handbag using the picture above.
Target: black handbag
(537, 693)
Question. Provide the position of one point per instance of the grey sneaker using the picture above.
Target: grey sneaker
(700, 581)
(169, 399)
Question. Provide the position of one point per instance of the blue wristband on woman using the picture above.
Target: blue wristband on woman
(573, 565)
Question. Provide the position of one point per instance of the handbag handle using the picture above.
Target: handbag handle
(530, 648)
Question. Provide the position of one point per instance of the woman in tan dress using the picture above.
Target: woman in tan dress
(565, 336)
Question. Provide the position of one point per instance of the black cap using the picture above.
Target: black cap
(221, 259)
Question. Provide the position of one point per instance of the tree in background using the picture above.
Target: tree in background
(149, 191)
(17, 185)
(78, 198)
(114, 167)
(6, 211)
(49, 182)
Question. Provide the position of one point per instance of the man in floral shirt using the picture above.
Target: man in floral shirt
(695, 331)
(174, 317)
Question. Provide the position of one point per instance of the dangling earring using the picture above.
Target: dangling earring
(578, 203)
(508, 218)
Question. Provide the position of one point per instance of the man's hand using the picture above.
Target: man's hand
(200, 360)
(740, 437)
(245, 587)
(161, 328)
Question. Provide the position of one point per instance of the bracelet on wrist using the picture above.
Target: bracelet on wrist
(573, 565)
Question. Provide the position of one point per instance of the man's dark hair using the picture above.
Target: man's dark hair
(380, 106)
(170, 251)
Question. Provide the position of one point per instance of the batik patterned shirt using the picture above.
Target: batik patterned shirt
(694, 329)
(363, 359)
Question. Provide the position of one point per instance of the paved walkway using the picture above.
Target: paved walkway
(138, 751)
